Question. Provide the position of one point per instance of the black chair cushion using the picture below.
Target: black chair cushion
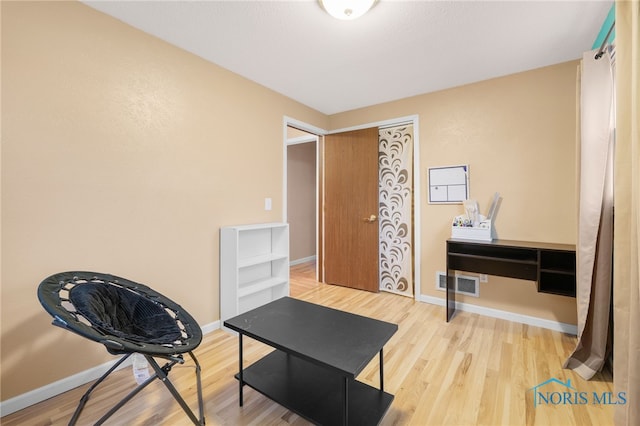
(124, 313)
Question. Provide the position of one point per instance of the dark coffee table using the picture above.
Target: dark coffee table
(318, 353)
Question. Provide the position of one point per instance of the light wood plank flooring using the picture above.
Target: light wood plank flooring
(474, 370)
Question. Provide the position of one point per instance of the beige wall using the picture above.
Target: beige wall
(120, 154)
(123, 154)
(293, 133)
(517, 133)
(301, 200)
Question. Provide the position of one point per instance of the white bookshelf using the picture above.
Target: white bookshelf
(254, 266)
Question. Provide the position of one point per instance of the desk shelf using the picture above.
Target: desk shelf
(557, 272)
(486, 250)
(560, 283)
(314, 392)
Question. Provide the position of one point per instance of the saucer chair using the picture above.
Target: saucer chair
(127, 318)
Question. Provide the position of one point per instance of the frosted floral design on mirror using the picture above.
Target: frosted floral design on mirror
(395, 216)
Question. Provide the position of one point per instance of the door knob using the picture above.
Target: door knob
(370, 219)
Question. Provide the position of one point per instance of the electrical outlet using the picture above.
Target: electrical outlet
(267, 204)
(484, 278)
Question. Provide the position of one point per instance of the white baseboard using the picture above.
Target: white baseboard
(509, 316)
(212, 326)
(52, 389)
(303, 260)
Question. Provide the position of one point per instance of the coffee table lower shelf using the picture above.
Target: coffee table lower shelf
(314, 392)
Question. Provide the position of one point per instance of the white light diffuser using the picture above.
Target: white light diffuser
(347, 9)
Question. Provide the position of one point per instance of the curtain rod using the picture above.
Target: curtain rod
(604, 42)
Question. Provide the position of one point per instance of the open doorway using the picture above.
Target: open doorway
(302, 207)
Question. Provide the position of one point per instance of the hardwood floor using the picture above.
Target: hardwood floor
(303, 278)
(474, 370)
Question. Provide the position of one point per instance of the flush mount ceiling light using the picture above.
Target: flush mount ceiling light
(346, 9)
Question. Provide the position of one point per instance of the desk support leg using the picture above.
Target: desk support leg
(345, 403)
(451, 290)
(381, 371)
(240, 375)
(450, 296)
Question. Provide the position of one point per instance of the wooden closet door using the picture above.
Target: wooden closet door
(351, 209)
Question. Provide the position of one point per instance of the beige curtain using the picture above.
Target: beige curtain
(626, 353)
(595, 234)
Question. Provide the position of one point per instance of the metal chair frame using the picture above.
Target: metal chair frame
(53, 293)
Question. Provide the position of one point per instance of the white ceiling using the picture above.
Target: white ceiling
(399, 49)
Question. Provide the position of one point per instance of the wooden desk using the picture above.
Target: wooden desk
(552, 266)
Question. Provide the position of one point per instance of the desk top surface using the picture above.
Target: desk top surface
(518, 244)
(335, 339)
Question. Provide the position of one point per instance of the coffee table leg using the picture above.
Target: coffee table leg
(240, 375)
(381, 372)
(345, 403)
